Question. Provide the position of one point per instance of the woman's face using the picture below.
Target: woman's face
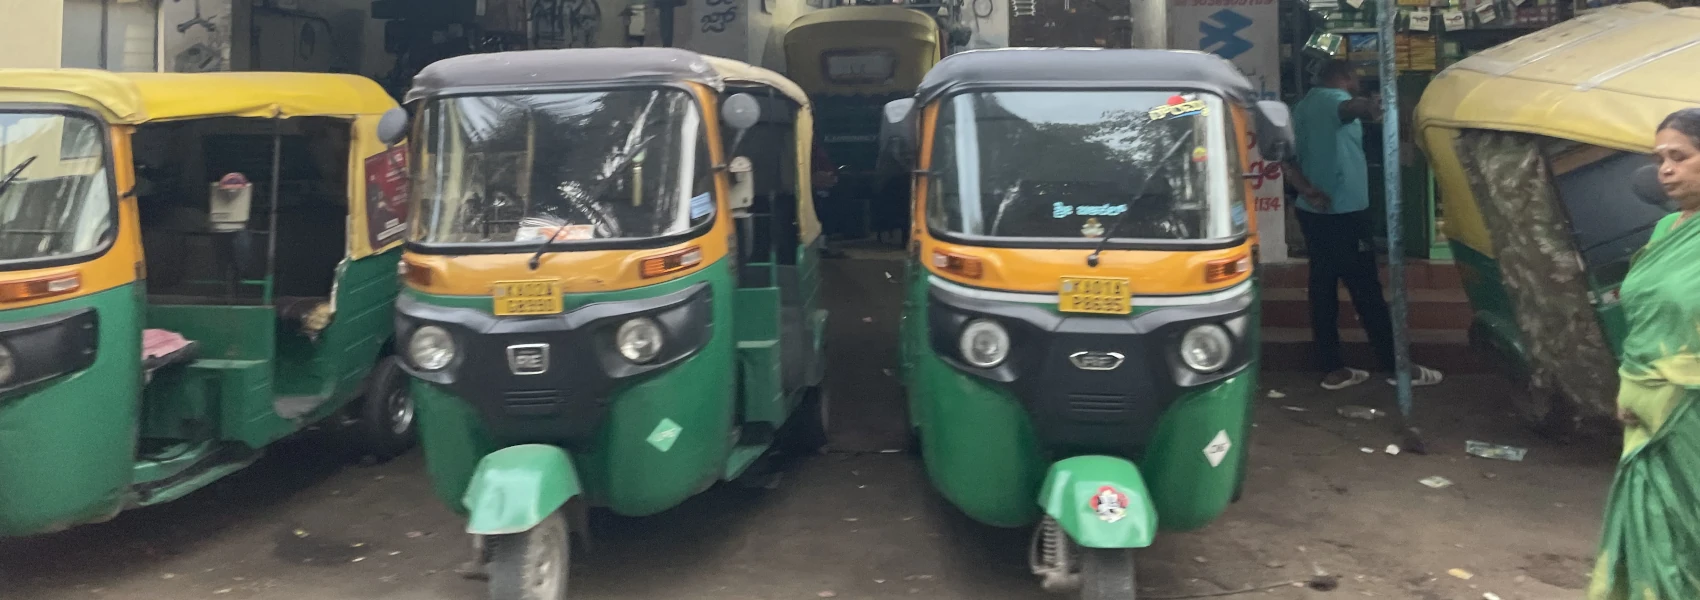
(1679, 167)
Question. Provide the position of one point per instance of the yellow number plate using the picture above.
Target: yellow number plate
(531, 297)
(1095, 295)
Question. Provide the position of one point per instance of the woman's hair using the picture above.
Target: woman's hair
(1685, 122)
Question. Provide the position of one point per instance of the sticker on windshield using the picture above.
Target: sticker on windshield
(701, 206)
(1179, 106)
(1060, 210)
(1239, 215)
(1199, 154)
(578, 232)
(1092, 228)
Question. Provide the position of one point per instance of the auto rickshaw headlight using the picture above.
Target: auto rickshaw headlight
(985, 343)
(431, 348)
(1206, 348)
(8, 365)
(639, 340)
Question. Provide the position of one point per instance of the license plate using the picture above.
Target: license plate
(1096, 295)
(531, 297)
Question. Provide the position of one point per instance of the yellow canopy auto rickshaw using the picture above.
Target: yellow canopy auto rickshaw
(1534, 144)
(852, 60)
(192, 266)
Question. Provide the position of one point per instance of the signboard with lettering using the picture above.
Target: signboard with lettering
(386, 197)
(1247, 33)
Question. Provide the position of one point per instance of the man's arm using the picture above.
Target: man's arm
(1359, 108)
(1318, 198)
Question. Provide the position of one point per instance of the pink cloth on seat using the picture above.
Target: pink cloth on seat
(157, 343)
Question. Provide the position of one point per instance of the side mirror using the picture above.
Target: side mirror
(1645, 184)
(740, 111)
(898, 135)
(1275, 138)
(392, 127)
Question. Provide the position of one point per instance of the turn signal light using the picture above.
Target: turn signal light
(1226, 269)
(966, 266)
(40, 287)
(656, 266)
(415, 274)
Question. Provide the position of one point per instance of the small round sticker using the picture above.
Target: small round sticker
(1110, 504)
(1199, 154)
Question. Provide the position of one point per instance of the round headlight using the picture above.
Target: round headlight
(8, 365)
(639, 340)
(1206, 348)
(985, 343)
(431, 348)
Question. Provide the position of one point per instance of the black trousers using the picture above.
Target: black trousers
(1342, 248)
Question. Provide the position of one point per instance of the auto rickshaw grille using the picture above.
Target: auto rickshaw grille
(1098, 407)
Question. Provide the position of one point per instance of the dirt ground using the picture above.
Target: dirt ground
(859, 522)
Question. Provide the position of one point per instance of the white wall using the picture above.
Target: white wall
(30, 33)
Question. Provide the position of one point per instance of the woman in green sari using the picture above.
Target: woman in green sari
(1651, 546)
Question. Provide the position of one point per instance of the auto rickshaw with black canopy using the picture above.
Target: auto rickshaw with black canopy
(611, 289)
(192, 267)
(1079, 336)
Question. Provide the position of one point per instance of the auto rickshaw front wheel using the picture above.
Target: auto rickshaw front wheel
(531, 565)
(385, 426)
(1107, 574)
(806, 431)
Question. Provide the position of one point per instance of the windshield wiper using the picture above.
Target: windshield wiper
(1092, 259)
(13, 174)
(601, 186)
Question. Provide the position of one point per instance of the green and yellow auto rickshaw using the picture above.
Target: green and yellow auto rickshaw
(1539, 211)
(1079, 340)
(611, 289)
(192, 266)
(852, 60)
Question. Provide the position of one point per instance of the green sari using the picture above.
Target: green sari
(1650, 549)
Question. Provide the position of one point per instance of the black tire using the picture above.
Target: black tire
(388, 425)
(806, 431)
(1107, 574)
(533, 565)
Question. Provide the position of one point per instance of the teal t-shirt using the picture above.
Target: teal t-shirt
(1331, 152)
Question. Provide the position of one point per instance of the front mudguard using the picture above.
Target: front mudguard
(1100, 502)
(516, 488)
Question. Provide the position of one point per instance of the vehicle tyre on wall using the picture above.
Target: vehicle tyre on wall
(1107, 574)
(388, 426)
(532, 565)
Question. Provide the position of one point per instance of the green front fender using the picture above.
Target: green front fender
(1071, 495)
(515, 488)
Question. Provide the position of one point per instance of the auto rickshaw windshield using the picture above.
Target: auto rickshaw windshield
(1065, 165)
(521, 169)
(55, 192)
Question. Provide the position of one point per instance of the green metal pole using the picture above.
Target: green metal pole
(1390, 174)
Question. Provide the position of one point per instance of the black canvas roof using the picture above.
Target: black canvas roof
(1083, 68)
(538, 69)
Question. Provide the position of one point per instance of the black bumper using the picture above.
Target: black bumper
(1077, 409)
(565, 403)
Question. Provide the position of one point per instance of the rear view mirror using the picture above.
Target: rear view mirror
(898, 133)
(392, 127)
(740, 111)
(1275, 138)
(1645, 184)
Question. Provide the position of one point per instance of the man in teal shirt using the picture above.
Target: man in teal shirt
(1332, 177)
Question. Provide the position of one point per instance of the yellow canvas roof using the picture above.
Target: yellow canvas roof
(732, 70)
(1606, 78)
(924, 26)
(132, 98)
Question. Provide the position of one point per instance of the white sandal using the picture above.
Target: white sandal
(1358, 376)
(1423, 376)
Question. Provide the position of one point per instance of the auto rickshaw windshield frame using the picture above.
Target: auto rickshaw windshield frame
(110, 238)
(632, 243)
(1058, 243)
